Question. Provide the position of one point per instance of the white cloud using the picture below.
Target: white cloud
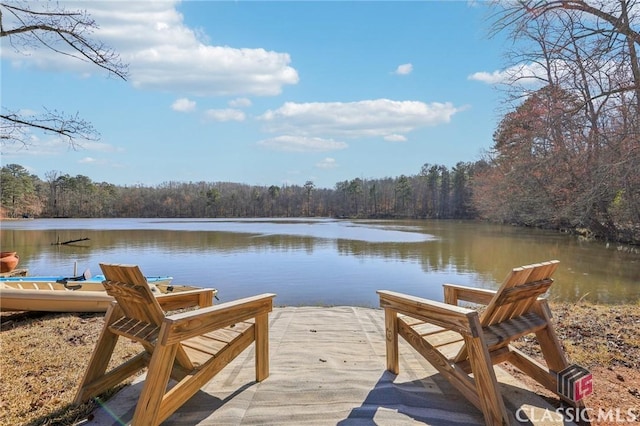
(53, 145)
(240, 103)
(97, 146)
(183, 105)
(26, 112)
(395, 138)
(533, 76)
(99, 162)
(528, 74)
(494, 77)
(225, 114)
(36, 147)
(379, 117)
(301, 144)
(327, 163)
(165, 55)
(404, 69)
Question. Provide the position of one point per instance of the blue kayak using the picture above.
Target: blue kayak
(85, 278)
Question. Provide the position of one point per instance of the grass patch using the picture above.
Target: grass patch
(42, 360)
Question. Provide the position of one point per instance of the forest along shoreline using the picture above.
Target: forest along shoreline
(468, 191)
(44, 355)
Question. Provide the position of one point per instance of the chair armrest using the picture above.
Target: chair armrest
(441, 314)
(201, 297)
(454, 293)
(193, 323)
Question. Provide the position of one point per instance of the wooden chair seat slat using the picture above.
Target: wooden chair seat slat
(512, 329)
(426, 329)
(439, 338)
(135, 330)
(207, 345)
(199, 358)
(210, 344)
(450, 349)
(443, 338)
(411, 321)
(227, 334)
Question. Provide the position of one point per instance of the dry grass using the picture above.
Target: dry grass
(606, 340)
(596, 335)
(42, 359)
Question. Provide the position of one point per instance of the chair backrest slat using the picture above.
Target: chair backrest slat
(129, 287)
(518, 292)
(524, 291)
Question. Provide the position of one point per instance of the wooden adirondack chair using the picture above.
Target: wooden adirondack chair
(190, 347)
(458, 341)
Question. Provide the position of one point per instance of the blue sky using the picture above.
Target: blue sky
(267, 93)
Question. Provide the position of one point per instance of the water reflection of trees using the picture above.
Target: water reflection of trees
(485, 252)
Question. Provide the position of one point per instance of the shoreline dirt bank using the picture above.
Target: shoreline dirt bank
(43, 356)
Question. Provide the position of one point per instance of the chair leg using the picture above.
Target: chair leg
(549, 343)
(457, 376)
(491, 402)
(99, 358)
(155, 386)
(262, 347)
(533, 369)
(391, 337)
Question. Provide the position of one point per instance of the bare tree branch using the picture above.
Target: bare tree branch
(72, 28)
(571, 143)
(67, 33)
(15, 127)
(618, 22)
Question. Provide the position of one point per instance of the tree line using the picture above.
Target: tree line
(467, 191)
(436, 192)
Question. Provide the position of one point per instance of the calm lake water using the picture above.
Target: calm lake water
(325, 261)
